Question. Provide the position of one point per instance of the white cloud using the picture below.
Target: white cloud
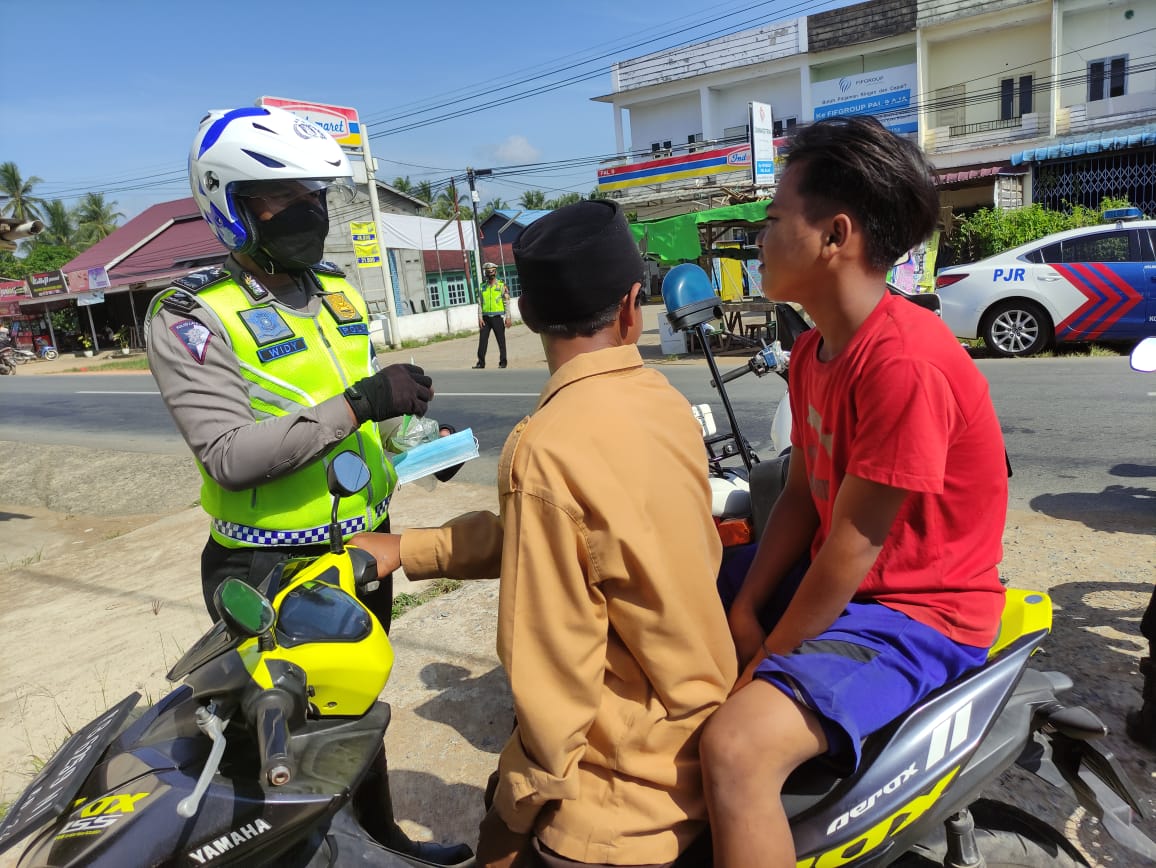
(516, 149)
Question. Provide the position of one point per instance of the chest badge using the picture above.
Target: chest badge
(341, 307)
(265, 325)
(253, 286)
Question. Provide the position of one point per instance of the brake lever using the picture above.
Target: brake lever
(211, 725)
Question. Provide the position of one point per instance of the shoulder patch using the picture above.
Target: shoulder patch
(195, 336)
(179, 302)
(202, 278)
(327, 267)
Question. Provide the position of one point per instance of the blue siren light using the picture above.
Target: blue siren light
(689, 297)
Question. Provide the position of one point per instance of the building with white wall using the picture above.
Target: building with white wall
(1013, 100)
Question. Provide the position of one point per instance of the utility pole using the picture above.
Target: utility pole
(471, 175)
(375, 211)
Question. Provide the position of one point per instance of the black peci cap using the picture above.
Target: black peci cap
(577, 260)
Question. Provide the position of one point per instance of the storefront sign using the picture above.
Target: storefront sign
(885, 93)
(46, 283)
(86, 298)
(762, 145)
(98, 278)
(339, 121)
(11, 291)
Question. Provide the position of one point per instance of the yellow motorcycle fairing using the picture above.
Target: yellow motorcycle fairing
(347, 670)
(1024, 612)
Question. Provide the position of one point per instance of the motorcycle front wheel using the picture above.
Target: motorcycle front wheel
(51, 354)
(1007, 837)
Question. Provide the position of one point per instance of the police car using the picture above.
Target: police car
(1092, 283)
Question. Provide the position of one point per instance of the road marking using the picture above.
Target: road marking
(95, 392)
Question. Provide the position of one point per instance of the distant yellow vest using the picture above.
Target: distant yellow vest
(298, 361)
(492, 301)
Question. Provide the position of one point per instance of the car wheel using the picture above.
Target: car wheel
(1017, 328)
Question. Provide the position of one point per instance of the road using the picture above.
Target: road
(1080, 431)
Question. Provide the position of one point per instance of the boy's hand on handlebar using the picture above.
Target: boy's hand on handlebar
(385, 548)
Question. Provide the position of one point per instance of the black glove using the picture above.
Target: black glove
(395, 391)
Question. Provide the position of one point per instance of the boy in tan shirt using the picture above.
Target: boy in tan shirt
(609, 625)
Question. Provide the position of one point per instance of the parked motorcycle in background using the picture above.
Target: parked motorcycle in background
(8, 361)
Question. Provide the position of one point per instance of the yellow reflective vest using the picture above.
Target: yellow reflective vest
(492, 301)
(291, 360)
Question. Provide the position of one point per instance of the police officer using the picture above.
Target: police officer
(492, 314)
(267, 368)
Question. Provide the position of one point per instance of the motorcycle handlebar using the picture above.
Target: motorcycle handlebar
(268, 715)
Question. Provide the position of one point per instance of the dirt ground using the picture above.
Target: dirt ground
(98, 566)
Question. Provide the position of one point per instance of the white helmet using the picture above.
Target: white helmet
(240, 151)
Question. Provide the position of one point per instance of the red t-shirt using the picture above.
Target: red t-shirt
(904, 405)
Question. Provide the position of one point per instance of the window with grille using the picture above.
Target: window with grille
(433, 291)
(510, 276)
(783, 127)
(457, 290)
(1107, 78)
(1015, 97)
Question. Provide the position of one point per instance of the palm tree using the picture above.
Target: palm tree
(59, 225)
(533, 200)
(20, 203)
(405, 185)
(95, 218)
(450, 201)
(563, 200)
(495, 204)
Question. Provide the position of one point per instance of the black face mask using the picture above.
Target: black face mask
(295, 237)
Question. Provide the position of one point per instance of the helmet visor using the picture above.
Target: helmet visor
(280, 194)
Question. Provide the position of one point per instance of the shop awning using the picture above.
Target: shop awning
(676, 239)
(974, 173)
(1079, 146)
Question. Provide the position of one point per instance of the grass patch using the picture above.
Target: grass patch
(435, 339)
(141, 363)
(402, 603)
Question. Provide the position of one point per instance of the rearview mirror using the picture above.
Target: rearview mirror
(244, 609)
(1144, 356)
(347, 474)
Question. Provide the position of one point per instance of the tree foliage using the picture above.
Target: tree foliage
(990, 231)
(532, 200)
(40, 258)
(17, 193)
(95, 218)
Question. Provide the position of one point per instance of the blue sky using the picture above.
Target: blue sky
(111, 92)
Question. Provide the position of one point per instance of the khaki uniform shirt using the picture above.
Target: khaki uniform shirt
(609, 623)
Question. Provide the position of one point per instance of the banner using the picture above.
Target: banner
(46, 283)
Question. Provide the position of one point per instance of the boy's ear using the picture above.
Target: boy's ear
(630, 311)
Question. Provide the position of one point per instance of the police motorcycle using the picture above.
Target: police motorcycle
(915, 800)
(263, 756)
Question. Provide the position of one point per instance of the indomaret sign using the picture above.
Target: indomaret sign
(339, 121)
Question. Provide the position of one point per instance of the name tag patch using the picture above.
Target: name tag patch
(358, 328)
(265, 325)
(195, 336)
(277, 351)
(341, 307)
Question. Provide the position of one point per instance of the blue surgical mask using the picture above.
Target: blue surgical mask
(427, 458)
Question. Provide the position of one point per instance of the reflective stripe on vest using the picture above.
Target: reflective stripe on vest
(492, 301)
(299, 361)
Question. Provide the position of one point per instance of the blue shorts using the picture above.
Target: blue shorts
(865, 670)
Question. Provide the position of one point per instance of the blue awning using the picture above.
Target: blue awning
(1109, 140)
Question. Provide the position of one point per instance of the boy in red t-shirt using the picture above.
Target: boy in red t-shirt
(897, 493)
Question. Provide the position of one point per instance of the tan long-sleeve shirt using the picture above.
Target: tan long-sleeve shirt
(609, 624)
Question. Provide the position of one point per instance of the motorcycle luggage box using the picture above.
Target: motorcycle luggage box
(54, 789)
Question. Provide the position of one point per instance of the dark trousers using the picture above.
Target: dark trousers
(253, 565)
(495, 323)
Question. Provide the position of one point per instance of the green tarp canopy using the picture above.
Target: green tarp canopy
(677, 239)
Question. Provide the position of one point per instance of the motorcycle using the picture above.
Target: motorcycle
(292, 670)
(8, 361)
(44, 350)
(915, 798)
